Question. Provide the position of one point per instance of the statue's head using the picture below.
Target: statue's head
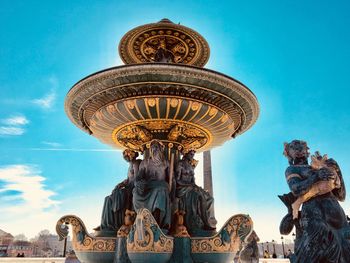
(156, 148)
(129, 155)
(296, 151)
(129, 217)
(253, 236)
(190, 154)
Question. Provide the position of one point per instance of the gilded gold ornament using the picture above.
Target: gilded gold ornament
(151, 102)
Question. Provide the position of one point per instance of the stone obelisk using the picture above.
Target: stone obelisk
(207, 174)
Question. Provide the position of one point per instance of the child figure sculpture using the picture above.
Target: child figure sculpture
(320, 187)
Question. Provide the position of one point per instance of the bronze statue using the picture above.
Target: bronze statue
(128, 222)
(323, 233)
(179, 230)
(194, 200)
(320, 187)
(120, 199)
(250, 250)
(151, 187)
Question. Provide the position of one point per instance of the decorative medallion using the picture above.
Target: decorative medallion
(164, 42)
(136, 135)
(146, 236)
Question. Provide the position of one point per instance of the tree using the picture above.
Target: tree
(20, 237)
(41, 241)
(44, 233)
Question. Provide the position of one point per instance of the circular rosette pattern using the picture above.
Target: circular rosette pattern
(184, 45)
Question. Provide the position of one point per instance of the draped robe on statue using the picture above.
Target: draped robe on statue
(151, 188)
(197, 203)
(114, 206)
(120, 199)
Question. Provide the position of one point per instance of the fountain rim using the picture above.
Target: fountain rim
(160, 64)
(180, 70)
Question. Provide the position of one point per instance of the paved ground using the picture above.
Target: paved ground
(61, 260)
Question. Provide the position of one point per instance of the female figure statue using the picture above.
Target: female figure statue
(197, 203)
(323, 232)
(120, 199)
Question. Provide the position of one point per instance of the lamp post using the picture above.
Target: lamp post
(65, 228)
(274, 249)
(284, 253)
(64, 247)
(267, 247)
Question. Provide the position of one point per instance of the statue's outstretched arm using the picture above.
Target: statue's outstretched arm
(297, 184)
(300, 186)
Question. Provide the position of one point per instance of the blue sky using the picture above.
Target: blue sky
(294, 55)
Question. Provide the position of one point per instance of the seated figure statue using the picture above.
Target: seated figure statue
(197, 203)
(151, 187)
(120, 199)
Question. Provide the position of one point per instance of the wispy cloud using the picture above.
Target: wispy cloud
(15, 120)
(11, 131)
(73, 150)
(13, 126)
(28, 181)
(33, 202)
(52, 144)
(47, 101)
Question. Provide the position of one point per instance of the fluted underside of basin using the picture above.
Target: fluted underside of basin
(185, 106)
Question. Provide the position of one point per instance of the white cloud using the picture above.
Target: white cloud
(32, 203)
(27, 180)
(11, 131)
(52, 144)
(13, 126)
(16, 120)
(47, 101)
(74, 150)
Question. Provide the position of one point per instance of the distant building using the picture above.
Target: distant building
(43, 246)
(55, 245)
(49, 246)
(20, 247)
(3, 250)
(5, 238)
